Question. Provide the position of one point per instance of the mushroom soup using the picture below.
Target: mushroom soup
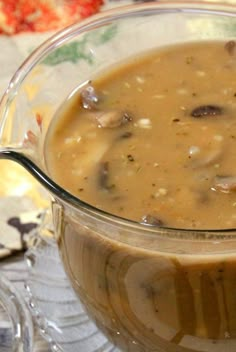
(154, 140)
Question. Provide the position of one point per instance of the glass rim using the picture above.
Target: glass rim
(61, 37)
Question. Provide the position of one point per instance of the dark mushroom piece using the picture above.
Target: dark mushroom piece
(151, 220)
(89, 97)
(225, 184)
(207, 110)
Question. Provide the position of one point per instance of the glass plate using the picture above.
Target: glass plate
(57, 310)
(16, 328)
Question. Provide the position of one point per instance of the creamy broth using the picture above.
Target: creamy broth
(171, 160)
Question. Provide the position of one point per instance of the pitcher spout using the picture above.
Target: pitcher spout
(33, 169)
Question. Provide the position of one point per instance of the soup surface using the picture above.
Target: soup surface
(154, 139)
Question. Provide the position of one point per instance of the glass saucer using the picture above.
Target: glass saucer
(57, 310)
(16, 328)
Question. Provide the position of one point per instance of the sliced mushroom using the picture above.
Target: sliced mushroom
(89, 97)
(230, 47)
(92, 152)
(112, 118)
(103, 176)
(151, 220)
(204, 159)
(207, 110)
(225, 184)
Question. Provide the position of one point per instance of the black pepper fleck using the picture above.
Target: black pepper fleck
(130, 157)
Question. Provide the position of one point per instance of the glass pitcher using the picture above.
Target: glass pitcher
(147, 289)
